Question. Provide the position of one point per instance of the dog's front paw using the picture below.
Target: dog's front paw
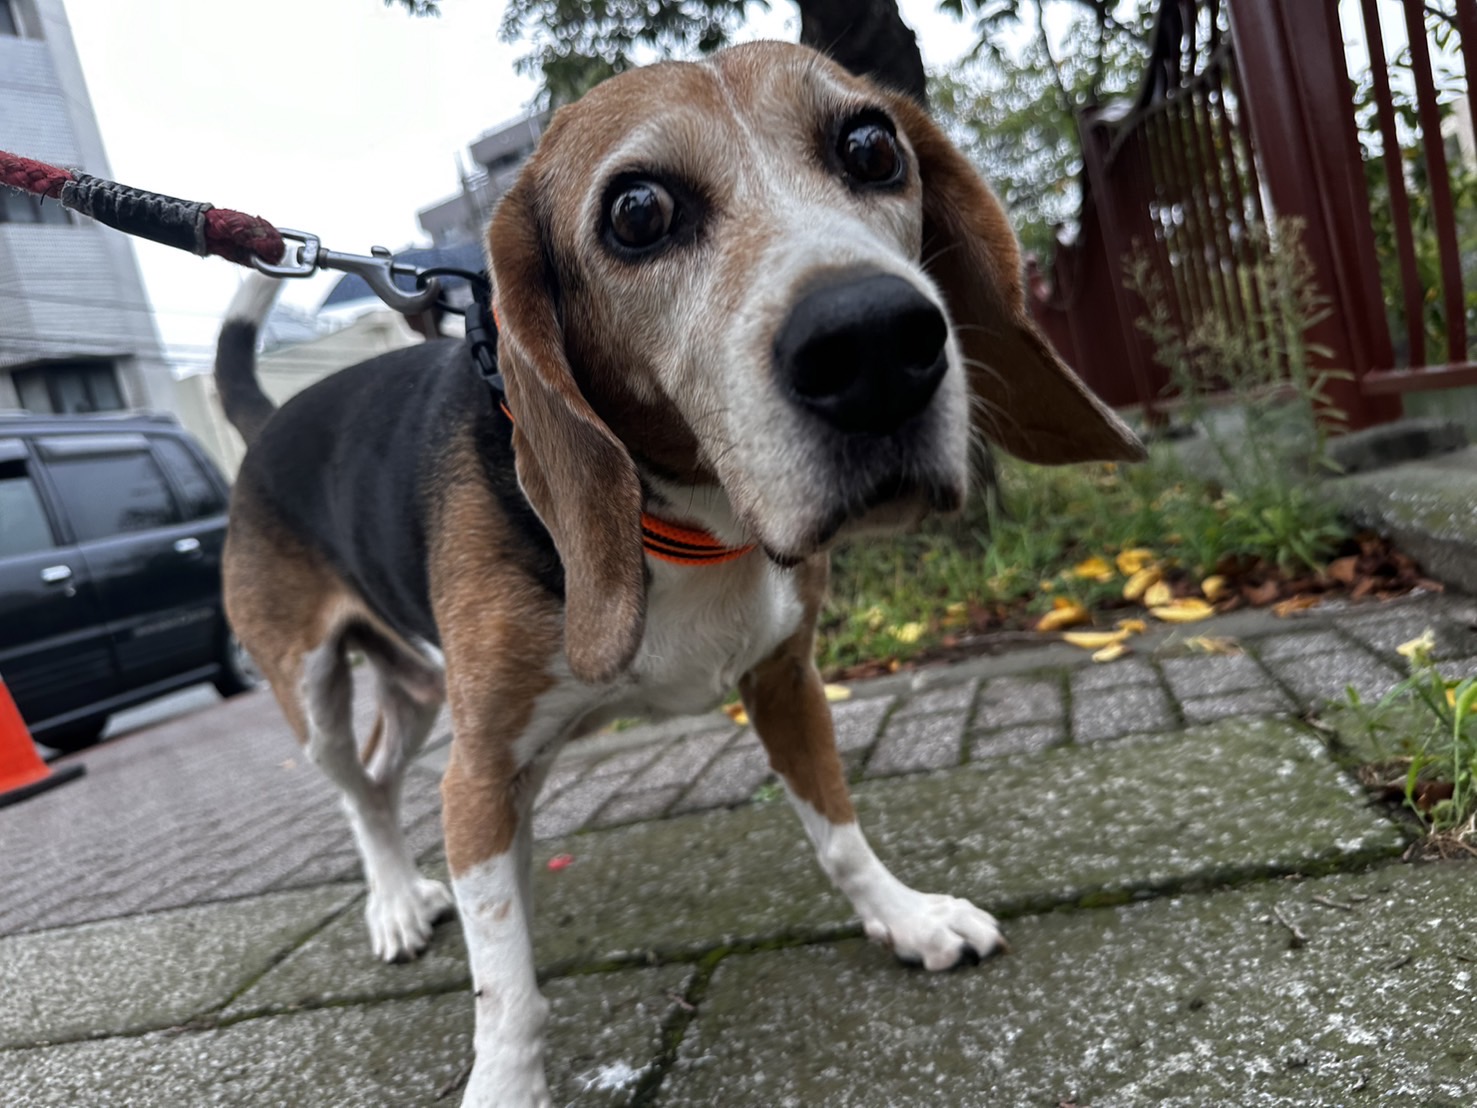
(938, 931)
(496, 1086)
(400, 921)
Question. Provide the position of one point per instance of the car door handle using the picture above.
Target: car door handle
(55, 575)
(187, 546)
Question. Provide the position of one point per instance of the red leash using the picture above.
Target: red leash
(200, 228)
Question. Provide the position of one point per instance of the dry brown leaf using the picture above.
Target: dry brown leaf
(1261, 595)
(1344, 570)
(1292, 604)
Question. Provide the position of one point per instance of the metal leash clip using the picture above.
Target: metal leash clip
(378, 270)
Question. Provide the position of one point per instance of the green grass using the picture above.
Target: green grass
(1005, 559)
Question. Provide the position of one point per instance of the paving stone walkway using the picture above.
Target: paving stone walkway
(183, 925)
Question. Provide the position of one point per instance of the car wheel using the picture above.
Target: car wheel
(238, 672)
(75, 736)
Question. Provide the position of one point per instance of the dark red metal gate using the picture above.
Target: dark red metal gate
(1265, 121)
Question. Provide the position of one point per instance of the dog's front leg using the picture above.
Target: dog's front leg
(786, 700)
(487, 806)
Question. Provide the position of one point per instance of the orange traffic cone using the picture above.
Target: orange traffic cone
(22, 772)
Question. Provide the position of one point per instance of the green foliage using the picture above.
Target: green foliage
(1426, 726)
(1013, 554)
(1015, 113)
(579, 43)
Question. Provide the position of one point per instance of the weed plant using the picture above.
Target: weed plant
(1424, 730)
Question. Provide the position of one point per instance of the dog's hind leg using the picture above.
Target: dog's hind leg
(402, 906)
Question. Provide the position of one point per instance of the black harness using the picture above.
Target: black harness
(481, 325)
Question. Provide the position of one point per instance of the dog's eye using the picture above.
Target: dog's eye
(868, 152)
(641, 214)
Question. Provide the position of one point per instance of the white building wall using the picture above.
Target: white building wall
(285, 372)
(67, 291)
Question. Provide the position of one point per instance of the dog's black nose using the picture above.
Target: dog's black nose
(864, 354)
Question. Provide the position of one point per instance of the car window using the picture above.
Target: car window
(112, 494)
(201, 497)
(23, 524)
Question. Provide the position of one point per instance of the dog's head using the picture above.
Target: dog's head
(762, 273)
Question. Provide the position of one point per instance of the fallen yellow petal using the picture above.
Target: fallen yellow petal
(837, 692)
(1094, 640)
(1450, 696)
(736, 713)
(1187, 610)
(958, 608)
(1064, 602)
(1132, 561)
(1140, 582)
(1068, 616)
(1212, 587)
(1093, 569)
(1110, 653)
(1157, 595)
(908, 632)
(1132, 626)
(1421, 646)
(1212, 644)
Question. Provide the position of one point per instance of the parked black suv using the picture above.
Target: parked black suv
(111, 530)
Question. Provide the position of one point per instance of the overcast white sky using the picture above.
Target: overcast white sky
(339, 117)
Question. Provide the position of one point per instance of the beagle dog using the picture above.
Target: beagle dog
(749, 307)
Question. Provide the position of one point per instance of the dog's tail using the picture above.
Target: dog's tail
(246, 405)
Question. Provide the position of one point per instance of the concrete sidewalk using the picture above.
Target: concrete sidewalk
(1202, 908)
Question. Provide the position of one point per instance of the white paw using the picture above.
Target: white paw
(938, 931)
(492, 1086)
(400, 919)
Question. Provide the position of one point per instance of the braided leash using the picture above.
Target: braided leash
(200, 228)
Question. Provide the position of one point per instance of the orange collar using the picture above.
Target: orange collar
(683, 546)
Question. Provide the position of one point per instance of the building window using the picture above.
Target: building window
(68, 388)
(25, 207)
(9, 24)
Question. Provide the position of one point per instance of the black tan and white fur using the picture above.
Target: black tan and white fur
(754, 296)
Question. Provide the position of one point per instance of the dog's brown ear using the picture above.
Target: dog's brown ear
(1026, 399)
(575, 472)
